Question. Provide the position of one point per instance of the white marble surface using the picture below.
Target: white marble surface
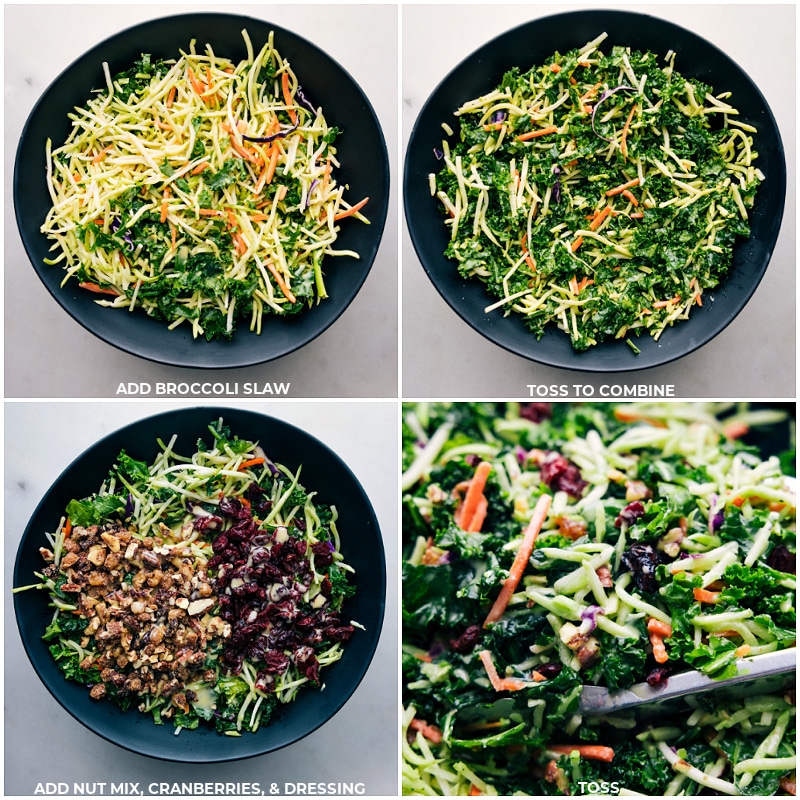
(355, 357)
(43, 743)
(753, 357)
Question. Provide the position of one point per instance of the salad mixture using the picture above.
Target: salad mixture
(207, 587)
(601, 193)
(200, 190)
(550, 547)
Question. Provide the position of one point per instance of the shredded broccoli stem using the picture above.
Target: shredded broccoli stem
(601, 194)
(205, 195)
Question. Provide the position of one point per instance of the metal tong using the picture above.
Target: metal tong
(760, 674)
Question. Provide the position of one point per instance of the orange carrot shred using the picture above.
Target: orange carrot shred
(352, 210)
(97, 289)
(430, 732)
(621, 188)
(704, 596)
(287, 292)
(595, 752)
(252, 462)
(466, 510)
(499, 684)
(524, 137)
(520, 560)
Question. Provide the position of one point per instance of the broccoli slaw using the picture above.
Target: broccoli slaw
(599, 193)
(198, 589)
(200, 190)
(552, 547)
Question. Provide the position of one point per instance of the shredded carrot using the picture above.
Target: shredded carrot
(520, 560)
(197, 85)
(203, 165)
(466, 511)
(209, 212)
(659, 627)
(735, 430)
(555, 68)
(171, 95)
(528, 259)
(287, 292)
(97, 289)
(499, 684)
(623, 144)
(173, 234)
(102, 154)
(629, 195)
(287, 97)
(622, 187)
(738, 501)
(742, 650)
(537, 676)
(426, 657)
(577, 243)
(252, 462)
(430, 732)
(164, 205)
(474, 791)
(67, 528)
(637, 215)
(594, 752)
(704, 596)
(524, 137)
(269, 172)
(665, 303)
(478, 518)
(658, 631)
(599, 217)
(352, 210)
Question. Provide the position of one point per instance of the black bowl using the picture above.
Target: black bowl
(362, 547)
(524, 47)
(361, 150)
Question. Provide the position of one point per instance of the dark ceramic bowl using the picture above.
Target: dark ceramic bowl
(361, 150)
(524, 47)
(362, 547)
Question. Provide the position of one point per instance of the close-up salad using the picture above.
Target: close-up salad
(554, 547)
(600, 192)
(200, 190)
(199, 589)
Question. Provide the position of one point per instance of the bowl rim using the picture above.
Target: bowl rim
(508, 332)
(246, 348)
(195, 750)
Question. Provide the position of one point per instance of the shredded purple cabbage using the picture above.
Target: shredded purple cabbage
(300, 95)
(590, 615)
(603, 97)
(265, 139)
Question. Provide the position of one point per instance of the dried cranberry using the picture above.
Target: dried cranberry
(783, 559)
(641, 560)
(275, 662)
(658, 676)
(323, 555)
(550, 670)
(630, 514)
(467, 641)
(561, 475)
(536, 412)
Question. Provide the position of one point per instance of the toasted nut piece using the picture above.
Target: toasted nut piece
(46, 554)
(69, 560)
(112, 541)
(200, 606)
(97, 555)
